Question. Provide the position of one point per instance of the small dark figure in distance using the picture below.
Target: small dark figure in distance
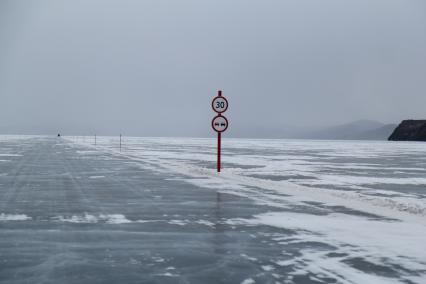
(59, 134)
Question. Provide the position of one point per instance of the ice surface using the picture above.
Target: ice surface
(352, 234)
(288, 164)
(248, 281)
(88, 218)
(96, 177)
(330, 211)
(14, 217)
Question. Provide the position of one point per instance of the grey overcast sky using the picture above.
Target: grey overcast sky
(150, 68)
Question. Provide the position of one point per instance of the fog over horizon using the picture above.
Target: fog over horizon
(151, 68)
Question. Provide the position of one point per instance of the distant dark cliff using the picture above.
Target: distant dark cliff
(410, 130)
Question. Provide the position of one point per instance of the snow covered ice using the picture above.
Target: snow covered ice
(282, 211)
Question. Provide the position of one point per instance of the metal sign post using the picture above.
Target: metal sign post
(219, 123)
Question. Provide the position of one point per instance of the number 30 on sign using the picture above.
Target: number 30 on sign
(220, 104)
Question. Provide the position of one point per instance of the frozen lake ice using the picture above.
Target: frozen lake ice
(282, 211)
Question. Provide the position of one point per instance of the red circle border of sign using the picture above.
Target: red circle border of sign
(227, 124)
(227, 104)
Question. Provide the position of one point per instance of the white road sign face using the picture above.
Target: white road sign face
(220, 123)
(220, 104)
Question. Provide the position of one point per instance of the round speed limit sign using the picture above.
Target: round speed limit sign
(220, 123)
(220, 104)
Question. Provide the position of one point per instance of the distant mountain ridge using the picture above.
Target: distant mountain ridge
(357, 130)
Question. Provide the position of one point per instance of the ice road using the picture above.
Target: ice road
(156, 212)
